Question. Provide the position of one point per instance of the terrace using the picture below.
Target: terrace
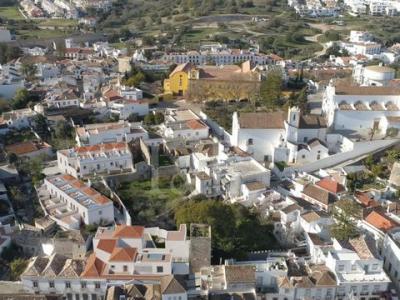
(58, 210)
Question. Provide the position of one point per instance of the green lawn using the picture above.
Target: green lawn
(57, 22)
(42, 33)
(11, 13)
(151, 202)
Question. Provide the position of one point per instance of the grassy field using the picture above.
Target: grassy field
(151, 202)
(11, 13)
(41, 33)
(57, 22)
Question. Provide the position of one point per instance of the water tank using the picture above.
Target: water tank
(378, 74)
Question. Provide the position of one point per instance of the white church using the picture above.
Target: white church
(279, 136)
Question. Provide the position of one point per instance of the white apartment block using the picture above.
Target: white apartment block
(358, 269)
(217, 55)
(120, 255)
(62, 99)
(124, 108)
(390, 252)
(110, 158)
(69, 202)
(122, 131)
(362, 48)
(361, 108)
(239, 179)
(189, 130)
(18, 119)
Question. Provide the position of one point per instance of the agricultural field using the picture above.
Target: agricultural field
(10, 13)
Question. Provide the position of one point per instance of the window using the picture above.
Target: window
(35, 284)
(250, 142)
(51, 284)
(97, 285)
(353, 267)
(100, 212)
(125, 268)
(67, 284)
(160, 269)
(83, 284)
(303, 156)
(341, 268)
(305, 139)
(112, 267)
(77, 297)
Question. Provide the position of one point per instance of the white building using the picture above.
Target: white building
(358, 268)
(390, 252)
(218, 54)
(18, 119)
(122, 131)
(69, 202)
(190, 130)
(124, 108)
(260, 134)
(239, 179)
(62, 99)
(121, 254)
(361, 109)
(373, 75)
(107, 158)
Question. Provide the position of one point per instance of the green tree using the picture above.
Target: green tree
(271, 89)
(21, 99)
(40, 125)
(17, 267)
(345, 214)
(235, 229)
(63, 130)
(29, 71)
(12, 159)
(301, 100)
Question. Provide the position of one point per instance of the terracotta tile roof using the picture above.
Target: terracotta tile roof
(380, 221)
(25, 147)
(123, 254)
(365, 200)
(126, 231)
(195, 124)
(107, 245)
(319, 194)
(240, 274)
(346, 89)
(322, 276)
(262, 120)
(311, 216)
(181, 68)
(171, 285)
(312, 121)
(364, 247)
(111, 94)
(331, 185)
(94, 267)
(101, 147)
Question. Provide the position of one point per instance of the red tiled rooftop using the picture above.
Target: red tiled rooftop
(123, 254)
(380, 221)
(126, 231)
(330, 185)
(107, 245)
(365, 200)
